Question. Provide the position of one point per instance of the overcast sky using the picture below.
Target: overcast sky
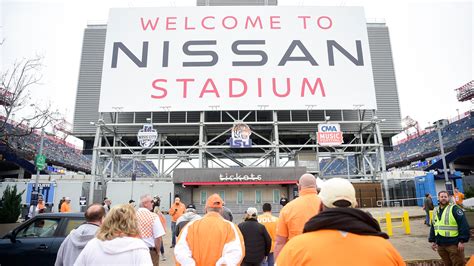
(431, 42)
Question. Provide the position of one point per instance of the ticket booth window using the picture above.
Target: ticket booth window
(240, 197)
(222, 194)
(276, 196)
(203, 197)
(258, 196)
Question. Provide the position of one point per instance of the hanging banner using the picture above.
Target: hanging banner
(147, 136)
(240, 136)
(330, 135)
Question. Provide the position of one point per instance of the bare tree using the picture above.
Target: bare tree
(15, 85)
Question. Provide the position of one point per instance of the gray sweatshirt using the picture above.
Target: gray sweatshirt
(184, 220)
(74, 243)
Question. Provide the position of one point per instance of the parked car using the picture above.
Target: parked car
(37, 241)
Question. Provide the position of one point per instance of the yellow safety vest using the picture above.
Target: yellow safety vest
(447, 225)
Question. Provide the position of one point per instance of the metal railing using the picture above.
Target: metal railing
(399, 202)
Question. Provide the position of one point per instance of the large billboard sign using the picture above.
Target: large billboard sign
(236, 58)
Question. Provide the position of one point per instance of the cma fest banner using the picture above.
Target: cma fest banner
(330, 135)
(236, 58)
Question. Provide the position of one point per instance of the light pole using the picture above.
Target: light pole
(439, 125)
(35, 192)
(134, 174)
(95, 154)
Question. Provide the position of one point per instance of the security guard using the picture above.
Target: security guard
(449, 231)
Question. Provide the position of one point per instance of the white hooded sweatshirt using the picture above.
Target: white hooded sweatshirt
(119, 251)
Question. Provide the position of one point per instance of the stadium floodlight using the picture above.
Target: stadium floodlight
(439, 125)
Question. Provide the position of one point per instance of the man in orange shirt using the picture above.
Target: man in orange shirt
(297, 212)
(458, 197)
(176, 210)
(211, 240)
(66, 206)
(340, 234)
(270, 223)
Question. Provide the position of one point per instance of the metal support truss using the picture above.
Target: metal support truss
(280, 138)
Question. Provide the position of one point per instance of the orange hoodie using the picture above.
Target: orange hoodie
(334, 247)
(210, 240)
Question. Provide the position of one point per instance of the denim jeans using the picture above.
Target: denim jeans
(427, 220)
(173, 235)
(270, 260)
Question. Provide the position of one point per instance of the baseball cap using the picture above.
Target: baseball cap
(191, 208)
(252, 211)
(67, 198)
(214, 201)
(337, 189)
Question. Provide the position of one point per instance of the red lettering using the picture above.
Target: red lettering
(156, 87)
(326, 18)
(288, 88)
(274, 22)
(226, 19)
(253, 23)
(304, 20)
(205, 90)
(204, 20)
(149, 23)
(313, 89)
(259, 86)
(231, 87)
(185, 86)
(186, 27)
(170, 21)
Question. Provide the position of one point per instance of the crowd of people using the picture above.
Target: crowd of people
(309, 230)
(55, 149)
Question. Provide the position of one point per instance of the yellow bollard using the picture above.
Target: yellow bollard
(431, 216)
(406, 222)
(388, 220)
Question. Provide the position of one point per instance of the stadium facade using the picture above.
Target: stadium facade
(280, 137)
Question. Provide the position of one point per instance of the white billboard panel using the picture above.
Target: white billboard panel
(236, 58)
